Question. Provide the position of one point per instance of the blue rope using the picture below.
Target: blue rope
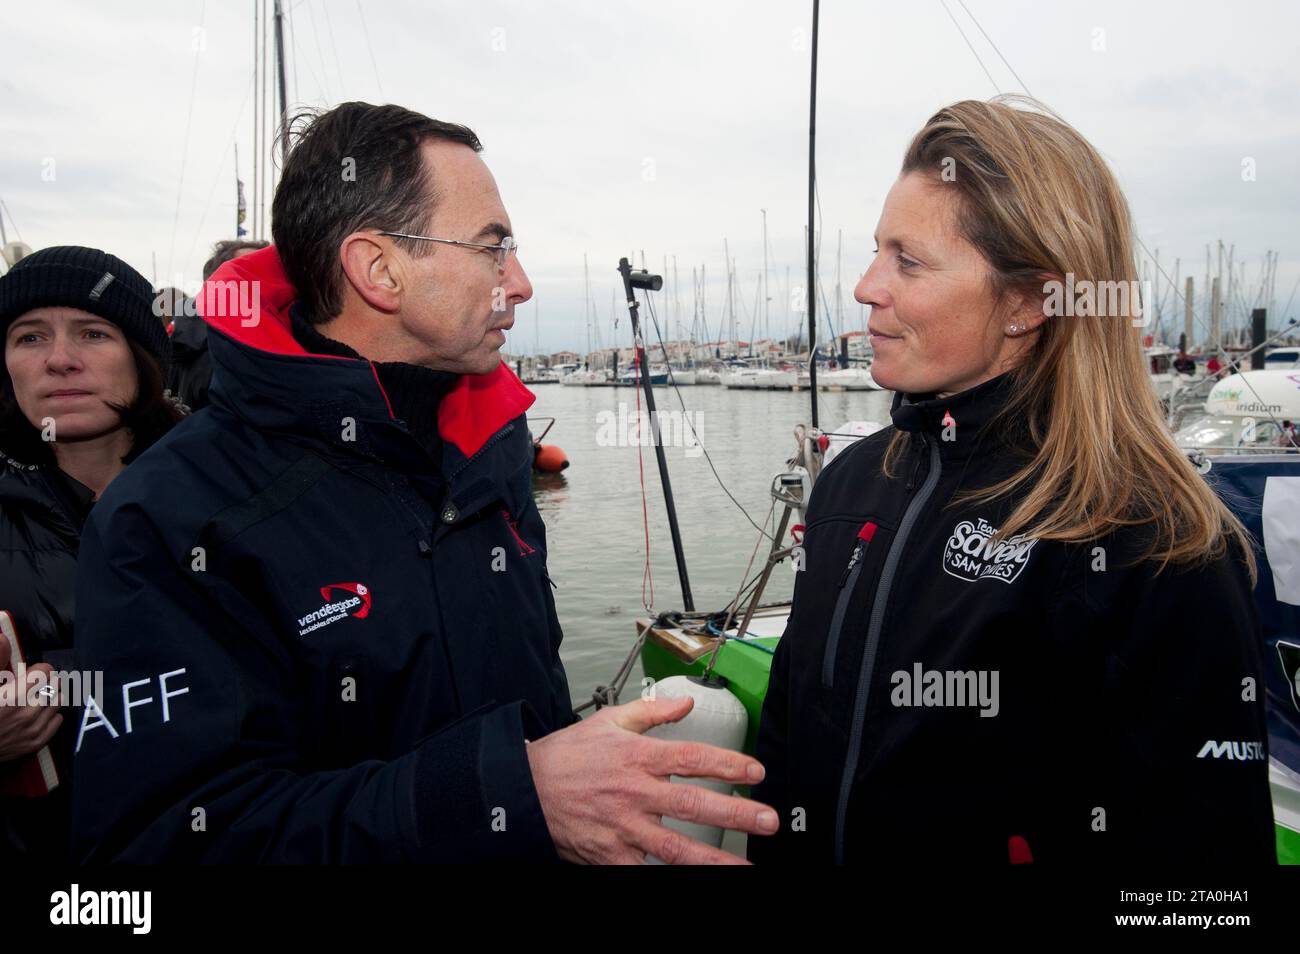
(745, 642)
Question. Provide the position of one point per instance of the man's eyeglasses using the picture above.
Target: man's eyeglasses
(501, 253)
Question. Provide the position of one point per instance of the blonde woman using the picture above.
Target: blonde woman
(1025, 629)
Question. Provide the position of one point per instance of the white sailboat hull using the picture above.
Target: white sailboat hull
(762, 379)
(842, 379)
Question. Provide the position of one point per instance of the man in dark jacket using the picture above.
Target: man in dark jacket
(322, 606)
(191, 371)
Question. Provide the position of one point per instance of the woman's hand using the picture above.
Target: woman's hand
(25, 728)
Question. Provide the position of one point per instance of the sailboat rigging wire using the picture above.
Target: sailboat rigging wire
(608, 695)
(324, 71)
(320, 85)
(5, 209)
(969, 46)
(185, 147)
(1283, 312)
(1216, 346)
(221, 169)
(293, 49)
(654, 320)
(338, 65)
(735, 603)
(365, 30)
(995, 47)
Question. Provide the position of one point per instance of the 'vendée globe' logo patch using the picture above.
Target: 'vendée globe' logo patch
(972, 554)
(354, 602)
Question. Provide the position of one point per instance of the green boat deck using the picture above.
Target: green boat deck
(744, 663)
(747, 663)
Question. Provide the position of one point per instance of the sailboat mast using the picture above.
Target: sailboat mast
(677, 306)
(812, 186)
(257, 165)
(284, 96)
(668, 313)
(695, 303)
(839, 297)
(731, 311)
(767, 331)
(785, 329)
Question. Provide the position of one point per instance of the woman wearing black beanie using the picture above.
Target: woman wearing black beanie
(81, 396)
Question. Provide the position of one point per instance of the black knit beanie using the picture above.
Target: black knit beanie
(93, 281)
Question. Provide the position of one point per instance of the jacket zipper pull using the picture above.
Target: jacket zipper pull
(911, 481)
(864, 537)
(853, 561)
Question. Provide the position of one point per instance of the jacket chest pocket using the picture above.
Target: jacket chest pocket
(853, 562)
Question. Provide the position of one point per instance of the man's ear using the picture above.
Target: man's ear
(373, 270)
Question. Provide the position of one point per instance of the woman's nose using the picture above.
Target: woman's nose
(869, 290)
(63, 356)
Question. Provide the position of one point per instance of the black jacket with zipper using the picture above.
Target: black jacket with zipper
(1126, 721)
(41, 514)
(191, 368)
(319, 643)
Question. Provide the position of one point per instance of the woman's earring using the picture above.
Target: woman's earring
(1013, 329)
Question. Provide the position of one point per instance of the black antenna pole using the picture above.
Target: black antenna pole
(645, 280)
(812, 186)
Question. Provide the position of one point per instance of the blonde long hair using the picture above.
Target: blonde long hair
(1037, 200)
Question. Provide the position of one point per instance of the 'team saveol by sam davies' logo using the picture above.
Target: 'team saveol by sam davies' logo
(356, 605)
(972, 554)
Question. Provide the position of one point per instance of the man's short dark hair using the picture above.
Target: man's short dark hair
(226, 250)
(356, 166)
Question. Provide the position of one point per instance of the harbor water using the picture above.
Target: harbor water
(596, 531)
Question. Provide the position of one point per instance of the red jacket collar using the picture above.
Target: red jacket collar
(255, 312)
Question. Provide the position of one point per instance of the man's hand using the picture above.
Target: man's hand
(24, 729)
(604, 788)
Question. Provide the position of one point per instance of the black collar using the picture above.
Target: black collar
(964, 422)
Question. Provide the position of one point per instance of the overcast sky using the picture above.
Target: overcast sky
(615, 127)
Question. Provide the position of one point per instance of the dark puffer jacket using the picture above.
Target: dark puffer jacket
(41, 514)
(191, 368)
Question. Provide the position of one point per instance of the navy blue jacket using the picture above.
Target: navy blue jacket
(314, 650)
